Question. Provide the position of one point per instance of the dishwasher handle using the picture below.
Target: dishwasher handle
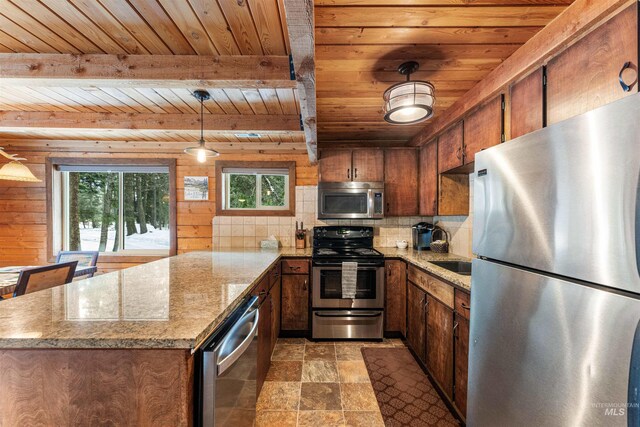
(228, 361)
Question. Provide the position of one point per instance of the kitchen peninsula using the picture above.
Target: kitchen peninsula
(121, 345)
(118, 347)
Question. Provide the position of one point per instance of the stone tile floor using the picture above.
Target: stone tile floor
(319, 384)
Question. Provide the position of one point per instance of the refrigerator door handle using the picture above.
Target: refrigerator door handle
(633, 397)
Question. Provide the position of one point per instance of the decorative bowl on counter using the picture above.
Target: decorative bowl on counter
(402, 244)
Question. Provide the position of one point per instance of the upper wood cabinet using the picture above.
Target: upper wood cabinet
(368, 165)
(428, 173)
(483, 128)
(361, 165)
(401, 182)
(334, 166)
(450, 148)
(585, 76)
(527, 104)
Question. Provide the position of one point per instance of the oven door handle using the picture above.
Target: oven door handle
(333, 266)
(348, 314)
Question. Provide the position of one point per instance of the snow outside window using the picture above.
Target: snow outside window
(111, 209)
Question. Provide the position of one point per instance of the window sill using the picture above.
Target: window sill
(249, 212)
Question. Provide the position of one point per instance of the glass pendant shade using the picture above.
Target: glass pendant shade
(16, 171)
(201, 152)
(409, 102)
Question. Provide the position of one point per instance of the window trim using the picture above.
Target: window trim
(50, 169)
(222, 164)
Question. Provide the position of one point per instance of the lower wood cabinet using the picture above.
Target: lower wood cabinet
(416, 299)
(264, 339)
(295, 302)
(437, 330)
(395, 296)
(275, 294)
(461, 351)
(439, 344)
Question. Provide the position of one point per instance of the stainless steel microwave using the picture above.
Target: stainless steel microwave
(350, 200)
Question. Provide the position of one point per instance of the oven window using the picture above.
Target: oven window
(340, 203)
(331, 284)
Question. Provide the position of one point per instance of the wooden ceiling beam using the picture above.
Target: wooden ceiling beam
(147, 121)
(574, 22)
(300, 25)
(136, 71)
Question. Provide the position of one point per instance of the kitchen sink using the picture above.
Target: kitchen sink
(461, 267)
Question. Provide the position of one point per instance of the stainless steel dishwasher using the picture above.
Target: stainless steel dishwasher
(228, 366)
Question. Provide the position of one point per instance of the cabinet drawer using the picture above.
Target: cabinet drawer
(463, 304)
(295, 266)
(274, 275)
(434, 286)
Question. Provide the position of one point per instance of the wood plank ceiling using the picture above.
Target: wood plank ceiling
(146, 27)
(360, 43)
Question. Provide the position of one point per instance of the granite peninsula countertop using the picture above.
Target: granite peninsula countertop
(423, 260)
(174, 303)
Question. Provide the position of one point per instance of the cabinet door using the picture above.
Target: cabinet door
(439, 343)
(450, 148)
(483, 129)
(396, 296)
(429, 179)
(275, 313)
(461, 344)
(334, 166)
(527, 104)
(585, 76)
(368, 165)
(416, 319)
(401, 182)
(295, 302)
(264, 341)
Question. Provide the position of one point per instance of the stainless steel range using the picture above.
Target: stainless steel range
(335, 317)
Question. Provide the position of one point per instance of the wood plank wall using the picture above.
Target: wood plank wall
(23, 222)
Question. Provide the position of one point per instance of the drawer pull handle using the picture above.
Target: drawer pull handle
(295, 267)
(465, 306)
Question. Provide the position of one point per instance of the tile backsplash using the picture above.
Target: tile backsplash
(248, 231)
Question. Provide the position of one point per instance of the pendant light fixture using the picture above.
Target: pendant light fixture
(201, 152)
(14, 170)
(409, 102)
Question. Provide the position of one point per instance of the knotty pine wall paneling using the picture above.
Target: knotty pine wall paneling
(23, 218)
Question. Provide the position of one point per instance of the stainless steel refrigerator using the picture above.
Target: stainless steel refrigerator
(555, 300)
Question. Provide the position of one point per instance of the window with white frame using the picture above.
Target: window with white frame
(114, 208)
(255, 189)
